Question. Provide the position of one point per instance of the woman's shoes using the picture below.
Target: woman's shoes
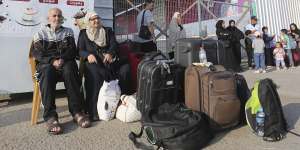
(82, 120)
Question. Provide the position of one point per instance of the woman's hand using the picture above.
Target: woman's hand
(107, 58)
(58, 63)
(92, 59)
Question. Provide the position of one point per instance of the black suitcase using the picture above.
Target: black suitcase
(159, 81)
(187, 51)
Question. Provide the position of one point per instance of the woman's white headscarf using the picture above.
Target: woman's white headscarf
(175, 32)
(174, 19)
(175, 16)
(96, 35)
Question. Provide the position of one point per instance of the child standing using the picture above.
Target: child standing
(249, 49)
(287, 45)
(259, 54)
(268, 48)
(279, 56)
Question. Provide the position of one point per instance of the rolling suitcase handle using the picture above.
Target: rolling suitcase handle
(155, 55)
(210, 66)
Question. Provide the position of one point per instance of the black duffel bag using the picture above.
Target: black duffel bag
(174, 127)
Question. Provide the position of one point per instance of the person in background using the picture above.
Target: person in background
(146, 44)
(253, 27)
(279, 56)
(237, 35)
(287, 45)
(249, 49)
(294, 35)
(268, 49)
(98, 48)
(295, 32)
(176, 31)
(258, 45)
(292, 41)
(225, 37)
(79, 19)
(55, 51)
(222, 32)
(79, 22)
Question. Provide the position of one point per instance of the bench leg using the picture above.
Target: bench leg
(35, 104)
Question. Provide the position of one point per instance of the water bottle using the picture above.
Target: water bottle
(202, 56)
(260, 119)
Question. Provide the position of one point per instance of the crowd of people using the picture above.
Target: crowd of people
(261, 48)
(56, 51)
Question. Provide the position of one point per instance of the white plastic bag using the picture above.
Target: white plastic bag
(127, 111)
(108, 100)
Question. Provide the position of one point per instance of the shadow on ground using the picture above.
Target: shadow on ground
(292, 114)
(23, 115)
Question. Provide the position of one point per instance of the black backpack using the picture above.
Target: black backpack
(275, 124)
(264, 94)
(175, 127)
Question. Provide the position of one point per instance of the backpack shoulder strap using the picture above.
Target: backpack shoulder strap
(143, 17)
(133, 136)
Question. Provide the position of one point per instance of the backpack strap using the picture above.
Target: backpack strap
(294, 133)
(143, 17)
(274, 138)
(159, 145)
(133, 136)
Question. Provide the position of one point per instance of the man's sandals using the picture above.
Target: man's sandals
(82, 120)
(53, 126)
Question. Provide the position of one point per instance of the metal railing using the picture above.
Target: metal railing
(126, 12)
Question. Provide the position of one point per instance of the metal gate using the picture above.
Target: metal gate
(126, 12)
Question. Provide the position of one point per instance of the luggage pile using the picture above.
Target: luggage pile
(183, 104)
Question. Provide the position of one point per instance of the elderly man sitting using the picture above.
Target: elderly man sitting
(55, 52)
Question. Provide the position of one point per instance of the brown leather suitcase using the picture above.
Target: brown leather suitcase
(213, 91)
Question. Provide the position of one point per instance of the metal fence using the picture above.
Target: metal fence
(126, 12)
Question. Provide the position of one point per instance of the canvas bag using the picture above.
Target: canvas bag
(108, 100)
(127, 111)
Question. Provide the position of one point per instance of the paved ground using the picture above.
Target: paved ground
(16, 132)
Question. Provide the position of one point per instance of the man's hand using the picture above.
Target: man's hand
(107, 58)
(58, 63)
(92, 59)
(253, 31)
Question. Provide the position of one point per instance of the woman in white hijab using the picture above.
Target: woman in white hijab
(98, 48)
(176, 31)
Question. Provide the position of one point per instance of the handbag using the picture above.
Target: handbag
(127, 111)
(296, 56)
(144, 30)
